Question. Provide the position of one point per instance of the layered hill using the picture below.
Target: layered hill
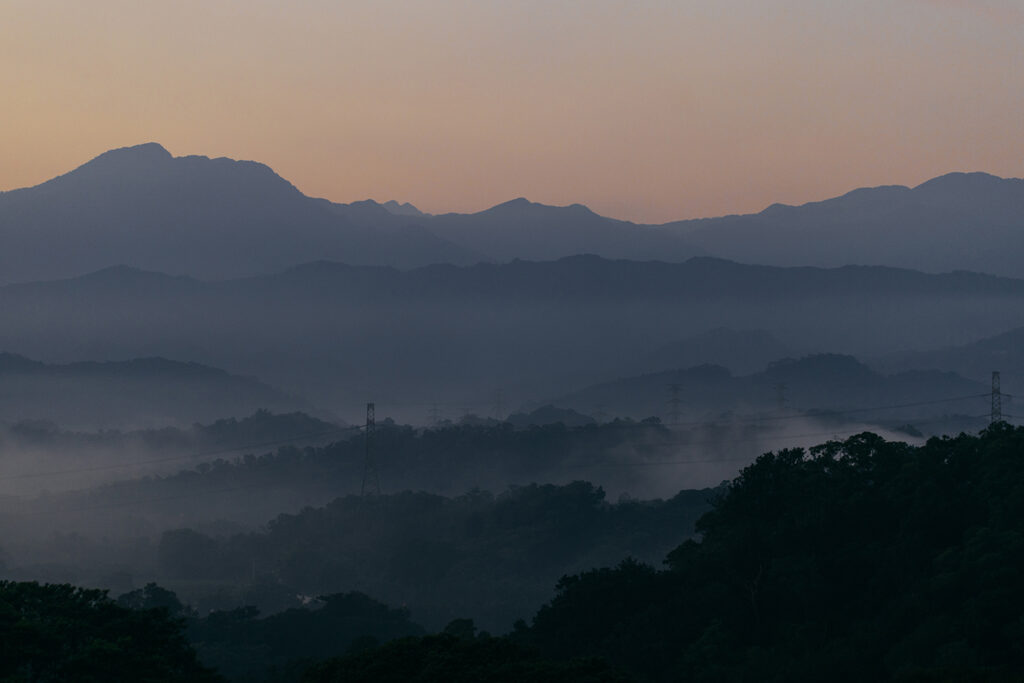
(958, 221)
(527, 230)
(219, 218)
(212, 218)
(144, 392)
(815, 384)
(343, 335)
(741, 351)
(978, 359)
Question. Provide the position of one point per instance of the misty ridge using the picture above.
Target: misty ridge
(564, 403)
(339, 335)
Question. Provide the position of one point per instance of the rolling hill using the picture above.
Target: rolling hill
(143, 392)
(342, 335)
(958, 221)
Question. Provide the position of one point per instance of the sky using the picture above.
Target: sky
(647, 110)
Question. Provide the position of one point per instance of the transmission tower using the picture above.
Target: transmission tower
(674, 402)
(997, 399)
(371, 484)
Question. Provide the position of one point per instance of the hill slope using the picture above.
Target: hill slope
(191, 215)
(346, 335)
(959, 221)
(820, 382)
(121, 394)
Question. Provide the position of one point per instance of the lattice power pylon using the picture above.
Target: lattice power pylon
(371, 483)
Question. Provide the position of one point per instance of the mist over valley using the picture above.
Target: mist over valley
(272, 414)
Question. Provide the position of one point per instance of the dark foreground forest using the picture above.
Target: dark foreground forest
(859, 560)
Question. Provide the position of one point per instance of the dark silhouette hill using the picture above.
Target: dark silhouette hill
(221, 218)
(862, 560)
(819, 383)
(527, 230)
(977, 360)
(742, 351)
(959, 221)
(343, 335)
(213, 218)
(402, 208)
(133, 393)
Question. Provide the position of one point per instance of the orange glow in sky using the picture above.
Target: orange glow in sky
(649, 110)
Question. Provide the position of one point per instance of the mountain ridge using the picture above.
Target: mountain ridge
(221, 218)
(344, 334)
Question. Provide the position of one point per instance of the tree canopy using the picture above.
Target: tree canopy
(858, 560)
(65, 633)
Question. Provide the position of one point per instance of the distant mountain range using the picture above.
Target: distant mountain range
(741, 351)
(817, 383)
(145, 392)
(959, 221)
(213, 218)
(342, 335)
(977, 360)
(219, 218)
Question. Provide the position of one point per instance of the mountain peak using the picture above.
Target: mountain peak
(401, 209)
(959, 180)
(517, 203)
(524, 204)
(147, 152)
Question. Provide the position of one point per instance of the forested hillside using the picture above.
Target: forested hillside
(855, 560)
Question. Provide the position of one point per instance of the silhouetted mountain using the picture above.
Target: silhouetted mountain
(403, 209)
(120, 394)
(959, 221)
(820, 383)
(188, 215)
(343, 335)
(742, 351)
(549, 414)
(978, 359)
(220, 218)
(526, 230)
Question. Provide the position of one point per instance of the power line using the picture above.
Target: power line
(997, 399)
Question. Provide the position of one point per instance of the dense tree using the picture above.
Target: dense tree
(859, 560)
(448, 658)
(152, 596)
(64, 633)
(495, 557)
(244, 646)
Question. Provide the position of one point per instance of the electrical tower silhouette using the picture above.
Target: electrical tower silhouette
(674, 402)
(997, 399)
(371, 483)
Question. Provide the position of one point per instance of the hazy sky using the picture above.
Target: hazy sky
(642, 109)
